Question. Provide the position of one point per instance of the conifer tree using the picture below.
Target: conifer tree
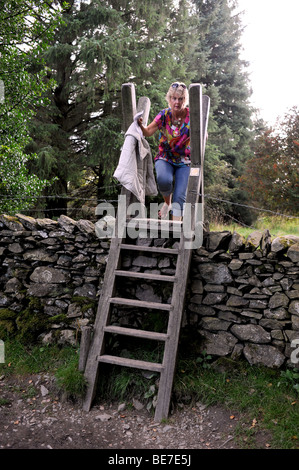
(224, 75)
(101, 46)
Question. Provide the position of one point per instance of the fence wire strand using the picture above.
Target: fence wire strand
(249, 207)
(97, 201)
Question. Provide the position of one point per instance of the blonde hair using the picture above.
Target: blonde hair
(181, 89)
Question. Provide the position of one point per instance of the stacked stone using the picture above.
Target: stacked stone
(153, 263)
(245, 296)
(50, 268)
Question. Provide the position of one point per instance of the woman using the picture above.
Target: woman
(172, 162)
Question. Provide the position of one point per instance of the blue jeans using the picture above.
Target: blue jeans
(166, 173)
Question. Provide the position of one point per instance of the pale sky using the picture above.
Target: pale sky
(270, 42)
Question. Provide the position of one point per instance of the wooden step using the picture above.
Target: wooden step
(140, 303)
(156, 225)
(149, 276)
(150, 249)
(165, 223)
(122, 361)
(136, 333)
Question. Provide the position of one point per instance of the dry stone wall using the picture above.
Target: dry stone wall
(242, 298)
(245, 296)
(50, 277)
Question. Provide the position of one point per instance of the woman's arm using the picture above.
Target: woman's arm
(150, 129)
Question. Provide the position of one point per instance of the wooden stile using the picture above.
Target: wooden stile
(199, 110)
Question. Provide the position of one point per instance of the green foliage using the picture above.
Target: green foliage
(125, 384)
(35, 358)
(77, 136)
(151, 395)
(7, 322)
(290, 378)
(271, 175)
(27, 325)
(25, 32)
(277, 226)
(30, 322)
(204, 360)
(70, 381)
(19, 189)
(62, 362)
(222, 72)
(224, 75)
(122, 383)
(76, 129)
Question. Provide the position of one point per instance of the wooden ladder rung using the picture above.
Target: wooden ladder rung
(153, 222)
(136, 333)
(140, 303)
(122, 361)
(156, 224)
(150, 276)
(150, 249)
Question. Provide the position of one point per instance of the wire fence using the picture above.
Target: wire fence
(96, 200)
(239, 222)
(252, 207)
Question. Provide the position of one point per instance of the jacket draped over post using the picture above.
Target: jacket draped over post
(135, 167)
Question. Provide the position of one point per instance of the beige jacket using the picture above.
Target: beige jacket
(135, 160)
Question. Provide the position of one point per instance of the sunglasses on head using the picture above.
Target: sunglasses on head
(176, 85)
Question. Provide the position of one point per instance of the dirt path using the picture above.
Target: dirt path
(32, 417)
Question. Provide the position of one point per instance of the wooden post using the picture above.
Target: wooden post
(144, 104)
(84, 346)
(129, 111)
(196, 171)
(128, 96)
(199, 114)
(205, 113)
(196, 124)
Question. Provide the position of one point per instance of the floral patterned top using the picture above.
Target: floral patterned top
(174, 141)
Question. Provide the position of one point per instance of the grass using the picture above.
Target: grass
(70, 381)
(60, 361)
(21, 359)
(277, 226)
(264, 399)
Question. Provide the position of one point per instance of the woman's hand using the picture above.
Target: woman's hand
(149, 130)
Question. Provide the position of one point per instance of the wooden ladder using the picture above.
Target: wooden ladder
(199, 109)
